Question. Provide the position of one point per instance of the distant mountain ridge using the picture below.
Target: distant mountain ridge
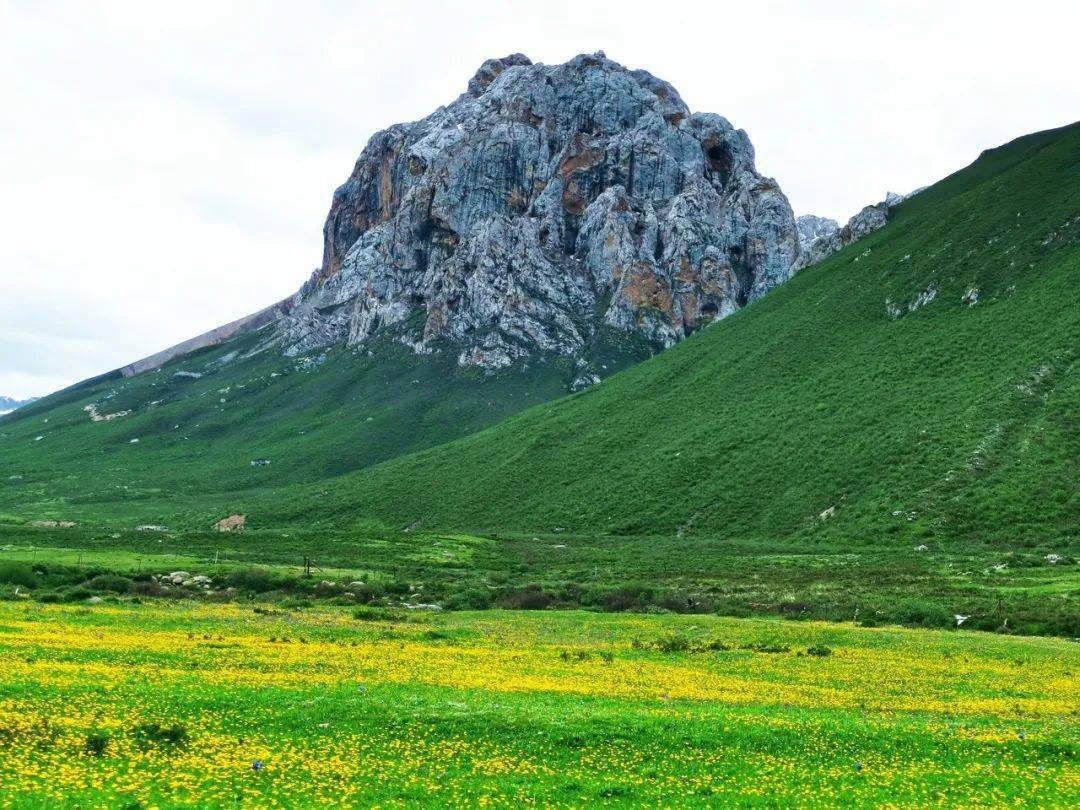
(8, 404)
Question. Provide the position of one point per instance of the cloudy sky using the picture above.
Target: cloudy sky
(166, 167)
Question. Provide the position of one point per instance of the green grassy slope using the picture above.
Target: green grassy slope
(948, 420)
(181, 436)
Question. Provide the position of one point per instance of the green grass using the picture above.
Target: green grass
(172, 705)
(868, 583)
(179, 442)
(794, 453)
(810, 458)
(951, 421)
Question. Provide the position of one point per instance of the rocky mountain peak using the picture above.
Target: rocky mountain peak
(490, 70)
(547, 208)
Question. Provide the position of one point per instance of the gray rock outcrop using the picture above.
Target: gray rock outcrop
(819, 237)
(545, 204)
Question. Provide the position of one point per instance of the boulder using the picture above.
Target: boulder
(232, 523)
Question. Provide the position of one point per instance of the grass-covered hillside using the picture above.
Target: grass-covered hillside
(921, 385)
(155, 446)
(891, 436)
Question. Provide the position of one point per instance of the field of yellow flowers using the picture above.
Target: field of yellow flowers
(163, 705)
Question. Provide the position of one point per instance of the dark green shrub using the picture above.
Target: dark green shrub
(918, 613)
(13, 572)
(373, 614)
(532, 597)
(631, 597)
(254, 580)
(110, 582)
(148, 588)
(470, 599)
(295, 602)
(683, 602)
(154, 733)
(819, 650)
(96, 744)
(763, 647)
(672, 643)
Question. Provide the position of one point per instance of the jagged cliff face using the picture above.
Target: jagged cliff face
(543, 205)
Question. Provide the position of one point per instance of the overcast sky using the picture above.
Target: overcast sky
(166, 167)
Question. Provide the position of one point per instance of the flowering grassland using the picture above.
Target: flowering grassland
(216, 705)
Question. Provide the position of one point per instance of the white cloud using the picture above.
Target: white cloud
(165, 168)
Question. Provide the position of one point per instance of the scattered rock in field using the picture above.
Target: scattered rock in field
(134, 441)
(1053, 559)
(828, 513)
(923, 298)
(1000, 566)
(191, 375)
(232, 523)
(149, 527)
(583, 381)
(260, 462)
(1031, 385)
(96, 416)
(178, 577)
(38, 438)
(420, 606)
(94, 600)
(971, 297)
(922, 547)
(225, 358)
(960, 619)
